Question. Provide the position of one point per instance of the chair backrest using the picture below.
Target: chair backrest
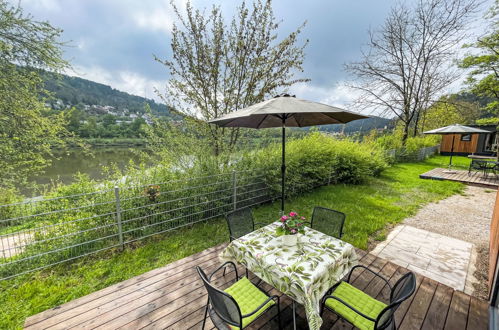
(401, 291)
(240, 222)
(478, 164)
(221, 302)
(327, 221)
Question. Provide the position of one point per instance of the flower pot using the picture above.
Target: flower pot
(289, 240)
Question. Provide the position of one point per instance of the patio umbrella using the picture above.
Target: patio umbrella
(286, 110)
(455, 129)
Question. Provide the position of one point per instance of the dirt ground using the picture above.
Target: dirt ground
(466, 217)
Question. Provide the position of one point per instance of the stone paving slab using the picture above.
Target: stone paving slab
(441, 258)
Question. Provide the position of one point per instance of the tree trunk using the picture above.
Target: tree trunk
(406, 133)
(416, 123)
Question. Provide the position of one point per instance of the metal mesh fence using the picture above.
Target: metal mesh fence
(403, 155)
(38, 233)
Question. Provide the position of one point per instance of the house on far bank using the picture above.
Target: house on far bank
(467, 144)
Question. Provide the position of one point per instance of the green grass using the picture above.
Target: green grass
(370, 208)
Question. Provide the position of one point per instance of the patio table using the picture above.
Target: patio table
(304, 271)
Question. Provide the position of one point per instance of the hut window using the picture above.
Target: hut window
(466, 137)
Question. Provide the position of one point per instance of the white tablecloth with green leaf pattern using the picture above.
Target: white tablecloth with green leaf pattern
(304, 271)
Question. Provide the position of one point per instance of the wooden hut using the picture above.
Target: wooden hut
(466, 144)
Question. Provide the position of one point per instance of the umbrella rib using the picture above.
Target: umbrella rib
(264, 117)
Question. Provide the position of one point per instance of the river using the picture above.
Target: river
(73, 161)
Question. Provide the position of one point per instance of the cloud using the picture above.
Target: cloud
(47, 5)
(115, 39)
(337, 95)
(126, 81)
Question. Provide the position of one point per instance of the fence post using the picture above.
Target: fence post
(118, 216)
(234, 190)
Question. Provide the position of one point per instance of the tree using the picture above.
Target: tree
(217, 68)
(449, 111)
(483, 79)
(27, 132)
(408, 64)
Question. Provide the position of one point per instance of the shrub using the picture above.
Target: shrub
(316, 160)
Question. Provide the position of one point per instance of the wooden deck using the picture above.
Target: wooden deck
(172, 297)
(476, 178)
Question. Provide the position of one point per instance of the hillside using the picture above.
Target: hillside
(362, 126)
(96, 98)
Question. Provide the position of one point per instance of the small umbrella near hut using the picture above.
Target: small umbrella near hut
(286, 111)
(456, 129)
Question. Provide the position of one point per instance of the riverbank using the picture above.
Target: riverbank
(116, 142)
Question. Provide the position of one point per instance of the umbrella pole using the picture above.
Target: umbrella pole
(451, 151)
(283, 162)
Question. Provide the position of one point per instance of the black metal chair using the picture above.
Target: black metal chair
(237, 306)
(327, 221)
(362, 310)
(478, 165)
(240, 223)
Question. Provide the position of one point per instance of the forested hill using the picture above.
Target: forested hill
(95, 97)
(363, 125)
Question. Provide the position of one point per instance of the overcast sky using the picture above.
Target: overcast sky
(113, 41)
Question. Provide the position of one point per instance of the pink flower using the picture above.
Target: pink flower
(293, 214)
(284, 218)
(293, 231)
(303, 218)
(298, 224)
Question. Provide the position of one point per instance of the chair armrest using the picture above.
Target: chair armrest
(262, 304)
(223, 266)
(349, 306)
(371, 271)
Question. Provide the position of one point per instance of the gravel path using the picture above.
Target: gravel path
(466, 217)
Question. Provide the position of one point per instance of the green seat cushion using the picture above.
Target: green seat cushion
(249, 298)
(358, 300)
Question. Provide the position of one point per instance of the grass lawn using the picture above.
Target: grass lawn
(369, 207)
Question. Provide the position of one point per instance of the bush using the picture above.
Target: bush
(396, 150)
(318, 159)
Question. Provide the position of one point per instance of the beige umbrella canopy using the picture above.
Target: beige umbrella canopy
(455, 129)
(286, 110)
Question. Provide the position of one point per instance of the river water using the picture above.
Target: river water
(73, 161)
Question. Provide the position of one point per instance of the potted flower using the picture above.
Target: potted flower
(291, 226)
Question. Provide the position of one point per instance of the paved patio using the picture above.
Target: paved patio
(441, 258)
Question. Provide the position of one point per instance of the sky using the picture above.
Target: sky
(113, 41)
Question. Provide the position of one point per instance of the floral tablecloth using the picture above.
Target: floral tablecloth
(304, 271)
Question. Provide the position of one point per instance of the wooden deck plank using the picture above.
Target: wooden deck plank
(478, 317)
(462, 176)
(132, 314)
(458, 312)
(151, 285)
(439, 307)
(415, 316)
(404, 307)
(166, 308)
(203, 255)
(173, 297)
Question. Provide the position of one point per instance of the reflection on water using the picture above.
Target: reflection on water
(75, 160)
